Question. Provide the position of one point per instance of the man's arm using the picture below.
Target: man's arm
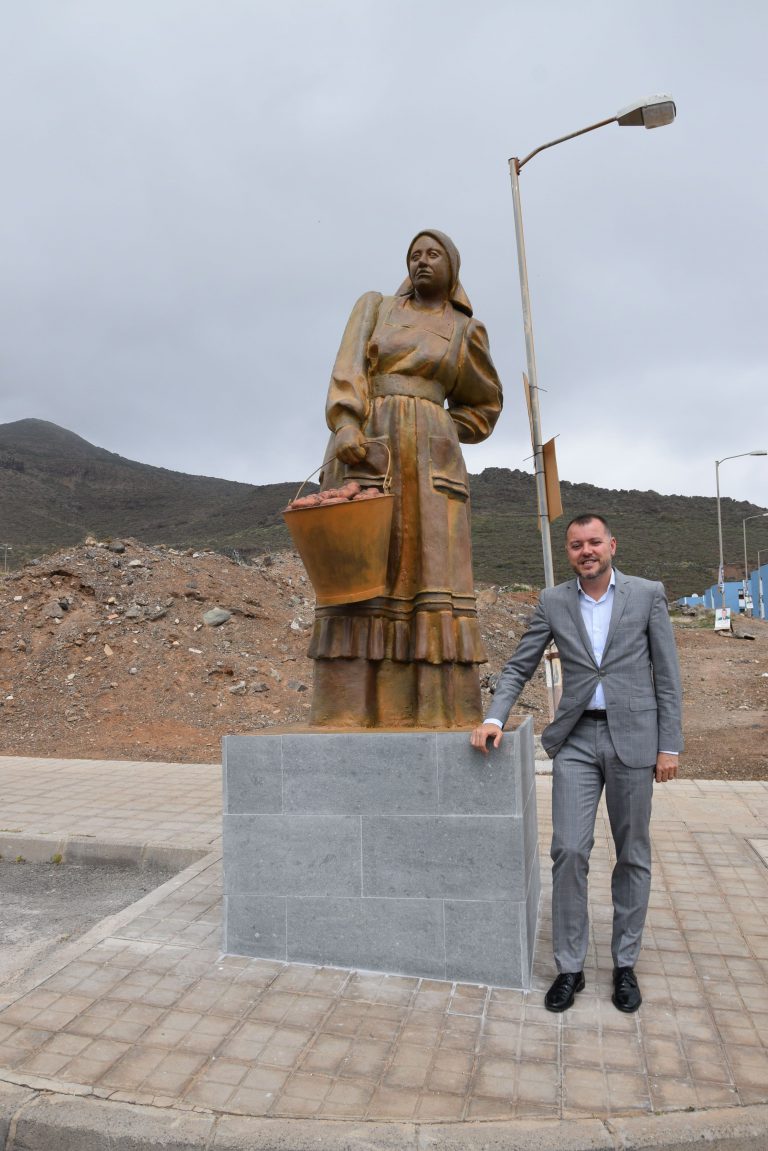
(667, 686)
(513, 678)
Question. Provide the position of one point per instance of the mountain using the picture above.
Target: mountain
(56, 488)
(669, 538)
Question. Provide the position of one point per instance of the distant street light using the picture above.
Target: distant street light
(721, 570)
(760, 515)
(654, 112)
(760, 601)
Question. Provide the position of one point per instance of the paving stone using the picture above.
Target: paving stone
(155, 1013)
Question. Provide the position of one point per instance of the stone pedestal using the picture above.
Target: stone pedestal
(403, 852)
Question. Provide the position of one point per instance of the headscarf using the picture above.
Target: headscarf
(456, 293)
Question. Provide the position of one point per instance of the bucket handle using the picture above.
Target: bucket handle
(387, 477)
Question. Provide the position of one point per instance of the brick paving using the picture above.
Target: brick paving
(145, 1009)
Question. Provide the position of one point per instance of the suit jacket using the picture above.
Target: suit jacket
(639, 669)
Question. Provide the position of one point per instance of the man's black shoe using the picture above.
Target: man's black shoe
(626, 993)
(561, 993)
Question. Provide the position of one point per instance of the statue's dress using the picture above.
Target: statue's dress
(409, 657)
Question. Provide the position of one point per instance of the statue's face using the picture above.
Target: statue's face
(429, 268)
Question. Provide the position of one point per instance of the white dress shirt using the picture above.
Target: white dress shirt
(596, 614)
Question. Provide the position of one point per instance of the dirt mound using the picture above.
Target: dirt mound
(122, 650)
(105, 651)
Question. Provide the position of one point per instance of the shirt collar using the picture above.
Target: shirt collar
(611, 584)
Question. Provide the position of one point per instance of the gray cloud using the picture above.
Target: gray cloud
(194, 194)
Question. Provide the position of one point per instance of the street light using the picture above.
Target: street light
(760, 601)
(721, 571)
(654, 112)
(760, 515)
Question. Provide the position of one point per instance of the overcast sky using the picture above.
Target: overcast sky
(193, 195)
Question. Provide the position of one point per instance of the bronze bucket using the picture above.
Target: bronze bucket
(344, 547)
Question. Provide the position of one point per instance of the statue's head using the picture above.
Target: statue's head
(433, 264)
(429, 266)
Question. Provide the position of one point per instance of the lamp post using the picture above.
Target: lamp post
(654, 112)
(760, 601)
(760, 515)
(721, 570)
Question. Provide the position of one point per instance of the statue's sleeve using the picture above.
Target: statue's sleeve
(348, 399)
(475, 401)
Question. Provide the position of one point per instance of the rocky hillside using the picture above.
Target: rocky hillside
(56, 488)
(127, 650)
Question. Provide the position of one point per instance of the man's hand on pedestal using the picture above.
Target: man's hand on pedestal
(485, 732)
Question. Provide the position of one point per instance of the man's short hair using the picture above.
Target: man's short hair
(585, 518)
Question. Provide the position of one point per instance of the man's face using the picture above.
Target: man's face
(590, 550)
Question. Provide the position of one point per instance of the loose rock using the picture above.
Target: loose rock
(216, 616)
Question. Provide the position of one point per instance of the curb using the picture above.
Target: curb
(79, 849)
(31, 1120)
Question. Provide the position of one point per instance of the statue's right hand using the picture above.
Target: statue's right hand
(483, 734)
(350, 444)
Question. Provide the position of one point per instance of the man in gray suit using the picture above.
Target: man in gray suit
(617, 727)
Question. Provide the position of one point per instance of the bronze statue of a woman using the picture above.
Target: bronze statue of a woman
(413, 377)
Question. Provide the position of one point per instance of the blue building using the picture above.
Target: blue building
(757, 577)
(734, 595)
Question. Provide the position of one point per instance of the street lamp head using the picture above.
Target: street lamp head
(761, 452)
(653, 112)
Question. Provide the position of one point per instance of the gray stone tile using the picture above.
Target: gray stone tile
(475, 784)
(527, 753)
(485, 942)
(462, 857)
(382, 773)
(533, 906)
(252, 773)
(254, 925)
(292, 855)
(530, 834)
(395, 935)
(365, 859)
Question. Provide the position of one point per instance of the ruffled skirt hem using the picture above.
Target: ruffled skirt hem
(434, 637)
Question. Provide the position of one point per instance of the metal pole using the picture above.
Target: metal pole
(538, 452)
(760, 515)
(562, 139)
(552, 670)
(761, 604)
(721, 572)
(746, 564)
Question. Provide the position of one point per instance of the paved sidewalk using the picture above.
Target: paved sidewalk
(144, 1010)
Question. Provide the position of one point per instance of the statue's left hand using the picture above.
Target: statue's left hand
(350, 444)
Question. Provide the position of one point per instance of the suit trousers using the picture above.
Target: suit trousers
(585, 765)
